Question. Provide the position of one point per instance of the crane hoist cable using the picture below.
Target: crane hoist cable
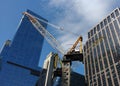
(48, 23)
(56, 27)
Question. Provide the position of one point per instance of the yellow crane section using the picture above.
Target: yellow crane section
(79, 40)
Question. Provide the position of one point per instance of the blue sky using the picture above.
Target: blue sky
(75, 16)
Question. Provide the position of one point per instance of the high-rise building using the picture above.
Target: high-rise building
(102, 52)
(19, 58)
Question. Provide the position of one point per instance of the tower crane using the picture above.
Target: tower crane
(68, 56)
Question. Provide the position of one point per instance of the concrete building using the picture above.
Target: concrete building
(47, 73)
(102, 52)
(19, 58)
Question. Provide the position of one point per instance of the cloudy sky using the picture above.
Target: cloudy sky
(76, 17)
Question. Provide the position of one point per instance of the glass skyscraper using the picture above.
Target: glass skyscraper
(102, 52)
(19, 58)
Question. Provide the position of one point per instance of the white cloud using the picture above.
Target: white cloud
(57, 3)
(78, 16)
(91, 10)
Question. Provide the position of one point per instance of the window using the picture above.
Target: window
(105, 62)
(97, 68)
(109, 19)
(84, 49)
(109, 80)
(101, 44)
(98, 50)
(105, 21)
(95, 56)
(96, 38)
(117, 28)
(101, 24)
(113, 16)
(89, 65)
(101, 65)
(99, 80)
(104, 79)
(116, 12)
(118, 69)
(89, 42)
(116, 82)
(88, 34)
(86, 66)
(114, 34)
(105, 39)
(118, 51)
(95, 30)
(91, 32)
(93, 70)
(110, 59)
(119, 19)
(93, 41)
(98, 27)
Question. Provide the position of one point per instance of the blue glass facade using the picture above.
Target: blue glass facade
(19, 58)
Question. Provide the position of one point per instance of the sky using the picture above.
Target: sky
(76, 17)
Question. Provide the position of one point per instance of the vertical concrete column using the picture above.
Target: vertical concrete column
(48, 64)
(66, 73)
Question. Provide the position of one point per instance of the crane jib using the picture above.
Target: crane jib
(50, 39)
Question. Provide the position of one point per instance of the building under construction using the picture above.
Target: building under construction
(52, 75)
(72, 55)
